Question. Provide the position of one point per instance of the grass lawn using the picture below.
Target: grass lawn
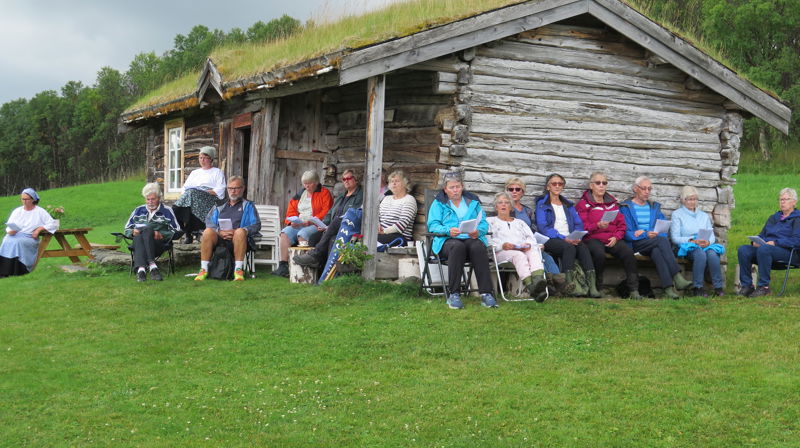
(95, 359)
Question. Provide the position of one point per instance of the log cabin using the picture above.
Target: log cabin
(567, 86)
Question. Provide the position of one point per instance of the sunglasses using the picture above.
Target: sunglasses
(557, 184)
(514, 189)
(348, 178)
(600, 182)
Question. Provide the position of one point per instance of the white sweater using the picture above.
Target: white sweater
(514, 232)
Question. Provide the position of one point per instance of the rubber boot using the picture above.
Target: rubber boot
(671, 293)
(574, 280)
(559, 283)
(537, 288)
(633, 287)
(680, 282)
(591, 282)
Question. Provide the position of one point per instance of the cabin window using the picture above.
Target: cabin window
(173, 166)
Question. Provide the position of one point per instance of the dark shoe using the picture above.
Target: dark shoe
(719, 292)
(761, 291)
(283, 270)
(537, 288)
(188, 238)
(141, 275)
(309, 258)
(746, 291)
(699, 292)
(559, 283)
(155, 275)
(488, 301)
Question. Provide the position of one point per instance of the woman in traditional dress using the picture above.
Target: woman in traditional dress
(201, 191)
(21, 244)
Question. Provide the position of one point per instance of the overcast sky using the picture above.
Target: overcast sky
(45, 43)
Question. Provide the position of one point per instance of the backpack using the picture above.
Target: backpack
(221, 265)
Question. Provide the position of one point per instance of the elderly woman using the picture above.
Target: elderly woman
(781, 233)
(687, 222)
(606, 235)
(451, 207)
(313, 201)
(21, 244)
(201, 191)
(397, 211)
(641, 215)
(557, 218)
(151, 226)
(516, 188)
(514, 239)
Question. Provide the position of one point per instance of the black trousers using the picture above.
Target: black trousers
(660, 251)
(188, 222)
(11, 266)
(146, 248)
(457, 252)
(622, 252)
(567, 252)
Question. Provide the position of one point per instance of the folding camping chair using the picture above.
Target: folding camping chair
(168, 253)
(508, 268)
(792, 263)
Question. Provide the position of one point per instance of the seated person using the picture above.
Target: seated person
(556, 219)
(781, 233)
(352, 197)
(151, 226)
(21, 244)
(245, 225)
(516, 188)
(606, 236)
(640, 218)
(514, 242)
(315, 200)
(687, 221)
(204, 187)
(448, 210)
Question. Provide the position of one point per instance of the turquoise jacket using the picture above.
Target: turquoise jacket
(442, 217)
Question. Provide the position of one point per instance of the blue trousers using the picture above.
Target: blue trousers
(702, 259)
(550, 265)
(763, 256)
(660, 251)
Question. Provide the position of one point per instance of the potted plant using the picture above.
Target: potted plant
(352, 256)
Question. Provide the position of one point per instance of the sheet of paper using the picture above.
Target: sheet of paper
(140, 225)
(225, 224)
(609, 215)
(317, 222)
(13, 226)
(704, 234)
(541, 239)
(757, 239)
(662, 225)
(522, 246)
(468, 226)
(295, 219)
(577, 235)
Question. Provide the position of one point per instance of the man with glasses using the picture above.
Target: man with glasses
(244, 227)
(641, 215)
(781, 233)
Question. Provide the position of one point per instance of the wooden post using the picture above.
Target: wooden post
(376, 99)
(269, 134)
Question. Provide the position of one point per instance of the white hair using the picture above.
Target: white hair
(789, 191)
(151, 188)
(687, 191)
(310, 176)
(641, 179)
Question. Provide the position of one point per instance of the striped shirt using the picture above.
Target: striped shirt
(398, 213)
(642, 215)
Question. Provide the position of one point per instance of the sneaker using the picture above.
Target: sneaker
(761, 291)
(699, 292)
(310, 258)
(488, 301)
(141, 275)
(155, 275)
(282, 271)
(238, 275)
(719, 292)
(746, 291)
(201, 275)
(454, 301)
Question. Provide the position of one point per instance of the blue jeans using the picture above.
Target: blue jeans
(700, 259)
(303, 232)
(550, 265)
(763, 256)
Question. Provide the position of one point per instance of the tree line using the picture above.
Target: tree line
(70, 137)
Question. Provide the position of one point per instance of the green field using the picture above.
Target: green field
(96, 359)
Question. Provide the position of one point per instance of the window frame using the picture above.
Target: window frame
(171, 192)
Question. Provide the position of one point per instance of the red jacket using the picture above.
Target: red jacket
(591, 212)
(321, 202)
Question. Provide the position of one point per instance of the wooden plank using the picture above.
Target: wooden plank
(301, 86)
(376, 100)
(300, 155)
(269, 138)
(242, 120)
(692, 61)
(255, 186)
(456, 36)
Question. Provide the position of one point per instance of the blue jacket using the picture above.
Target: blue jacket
(163, 222)
(250, 220)
(546, 216)
(442, 217)
(632, 225)
(686, 224)
(785, 232)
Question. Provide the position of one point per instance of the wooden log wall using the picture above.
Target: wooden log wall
(198, 132)
(575, 100)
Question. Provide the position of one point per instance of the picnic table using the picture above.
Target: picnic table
(84, 248)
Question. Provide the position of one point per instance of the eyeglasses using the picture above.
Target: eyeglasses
(600, 182)
(235, 188)
(348, 178)
(786, 199)
(644, 188)
(514, 189)
(557, 184)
